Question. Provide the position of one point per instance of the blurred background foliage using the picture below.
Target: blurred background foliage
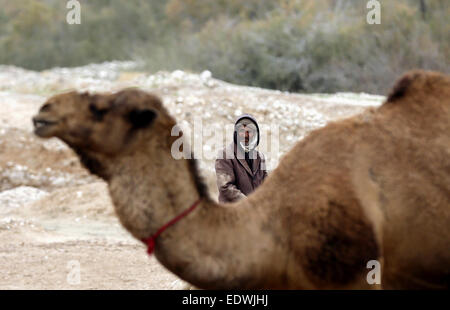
(293, 45)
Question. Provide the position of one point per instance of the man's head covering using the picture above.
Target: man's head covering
(245, 119)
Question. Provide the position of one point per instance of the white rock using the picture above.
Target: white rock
(206, 75)
(19, 196)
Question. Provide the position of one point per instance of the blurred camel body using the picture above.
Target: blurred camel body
(372, 187)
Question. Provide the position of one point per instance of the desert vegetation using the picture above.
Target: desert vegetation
(304, 46)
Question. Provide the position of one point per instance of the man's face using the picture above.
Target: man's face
(246, 133)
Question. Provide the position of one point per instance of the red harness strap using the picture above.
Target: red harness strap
(151, 240)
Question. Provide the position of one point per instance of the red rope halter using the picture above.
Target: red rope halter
(150, 241)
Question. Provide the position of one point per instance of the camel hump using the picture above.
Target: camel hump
(420, 84)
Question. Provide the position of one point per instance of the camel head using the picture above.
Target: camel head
(103, 123)
(101, 128)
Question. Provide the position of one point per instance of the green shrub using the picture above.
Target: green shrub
(305, 46)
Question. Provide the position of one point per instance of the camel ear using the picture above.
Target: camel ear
(141, 118)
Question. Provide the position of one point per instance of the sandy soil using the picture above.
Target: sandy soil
(56, 219)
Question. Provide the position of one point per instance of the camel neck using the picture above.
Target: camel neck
(207, 246)
(150, 241)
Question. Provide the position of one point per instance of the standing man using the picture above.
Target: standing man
(240, 168)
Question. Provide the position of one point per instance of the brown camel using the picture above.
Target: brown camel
(372, 187)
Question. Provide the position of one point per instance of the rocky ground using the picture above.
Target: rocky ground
(56, 219)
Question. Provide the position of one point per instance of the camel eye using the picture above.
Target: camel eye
(141, 118)
(97, 113)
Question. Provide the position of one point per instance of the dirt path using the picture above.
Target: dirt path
(53, 264)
